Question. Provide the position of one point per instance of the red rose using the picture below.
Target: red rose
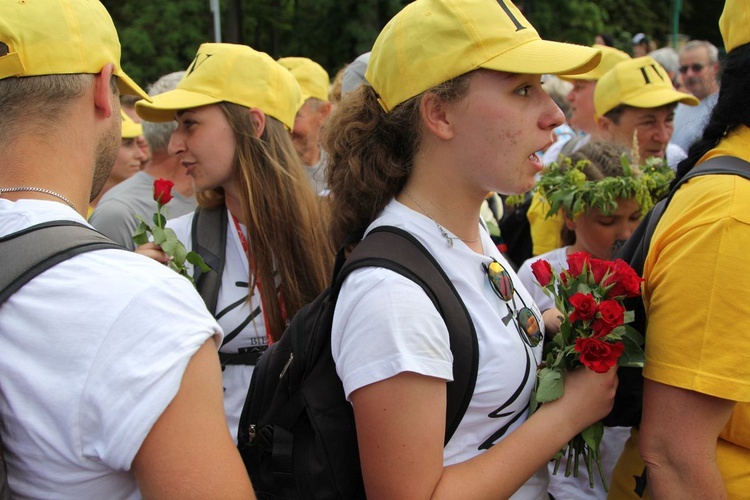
(599, 269)
(542, 272)
(584, 305)
(625, 281)
(610, 315)
(597, 355)
(163, 191)
(576, 262)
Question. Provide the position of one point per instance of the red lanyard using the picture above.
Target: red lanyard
(245, 247)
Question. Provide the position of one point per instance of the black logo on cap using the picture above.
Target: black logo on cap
(199, 60)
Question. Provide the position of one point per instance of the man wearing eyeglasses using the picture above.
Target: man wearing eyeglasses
(699, 66)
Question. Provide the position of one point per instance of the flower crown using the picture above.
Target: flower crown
(564, 186)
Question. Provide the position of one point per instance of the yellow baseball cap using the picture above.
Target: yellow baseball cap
(130, 129)
(432, 41)
(639, 82)
(610, 57)
(312, 78)
(734, 23)
(60, 37)
(232, 73)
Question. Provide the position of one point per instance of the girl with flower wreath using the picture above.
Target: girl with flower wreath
(440, 125)
(602, 199)
(234, 109)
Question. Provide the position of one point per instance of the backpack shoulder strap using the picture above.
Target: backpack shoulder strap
(209, 240)
(641, 238)
(28, 253)
(399, 251)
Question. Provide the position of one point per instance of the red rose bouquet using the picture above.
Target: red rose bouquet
(594, 333)
(166, 237)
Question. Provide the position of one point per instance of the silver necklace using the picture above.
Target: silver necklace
(39, 190)
(442, 230)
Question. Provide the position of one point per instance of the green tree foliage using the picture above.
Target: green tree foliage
(161, 37)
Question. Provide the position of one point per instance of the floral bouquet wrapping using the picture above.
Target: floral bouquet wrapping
(166, 237)
(594, 333)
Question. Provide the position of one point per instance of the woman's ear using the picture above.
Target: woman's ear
(259, 120)
(435, 116)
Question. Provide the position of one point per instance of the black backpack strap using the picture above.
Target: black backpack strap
(28, 253)
(398, 251)
(209, 240)
(641, 238)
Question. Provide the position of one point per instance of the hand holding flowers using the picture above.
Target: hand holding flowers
(593, 333)
(166, 237)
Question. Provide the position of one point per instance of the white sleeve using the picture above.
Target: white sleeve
(139, 366)
(384, 324)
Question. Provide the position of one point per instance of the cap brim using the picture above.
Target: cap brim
(661, 97)
(163, 106)
(129, 87)
(538, 57)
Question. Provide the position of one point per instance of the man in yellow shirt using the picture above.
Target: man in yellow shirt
(694, 436)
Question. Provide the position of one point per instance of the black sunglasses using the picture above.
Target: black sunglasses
(526, 321)
(697, 68)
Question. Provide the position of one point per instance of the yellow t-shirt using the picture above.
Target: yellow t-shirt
(545, 232)
(697, 297)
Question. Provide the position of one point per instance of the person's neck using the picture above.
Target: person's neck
(311, 157)
(234, 205)
(165, 166)
(447, 201)
(48, 162)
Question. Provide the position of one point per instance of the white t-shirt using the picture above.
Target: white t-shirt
(241, 320)
(369, 346)
(92, 352)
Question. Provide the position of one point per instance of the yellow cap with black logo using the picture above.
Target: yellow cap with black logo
(432, 41)
(233, 73)
(641, 82)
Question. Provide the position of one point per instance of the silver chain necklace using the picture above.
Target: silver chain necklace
(442, 230)
(39, 190)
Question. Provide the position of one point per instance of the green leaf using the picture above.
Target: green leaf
(159, 220)
(195, 259)
(159, 235)
(180, 254)
(633, 355)
(592, 435)
(140, 236)
(549, 385)
(629, 317)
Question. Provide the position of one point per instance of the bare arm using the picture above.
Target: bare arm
(189, 452)
(401, 425)
(678, 437)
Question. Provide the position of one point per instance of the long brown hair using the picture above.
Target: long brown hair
(285, 225)
(371, 153)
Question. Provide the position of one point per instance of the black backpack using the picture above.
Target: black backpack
(28, 253)
(297, 434)
(629, 398)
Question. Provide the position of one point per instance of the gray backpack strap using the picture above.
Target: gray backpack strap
(28, 253)
(209, 240)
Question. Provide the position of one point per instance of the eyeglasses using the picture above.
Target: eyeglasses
(526, 321)
(697, 68)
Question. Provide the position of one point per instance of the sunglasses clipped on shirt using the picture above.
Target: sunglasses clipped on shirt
(526, 321)
(696, 67)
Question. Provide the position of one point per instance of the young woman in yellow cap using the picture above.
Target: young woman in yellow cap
(455, 110)
(234, 109)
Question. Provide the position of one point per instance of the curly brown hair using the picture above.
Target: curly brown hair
(371, 153)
